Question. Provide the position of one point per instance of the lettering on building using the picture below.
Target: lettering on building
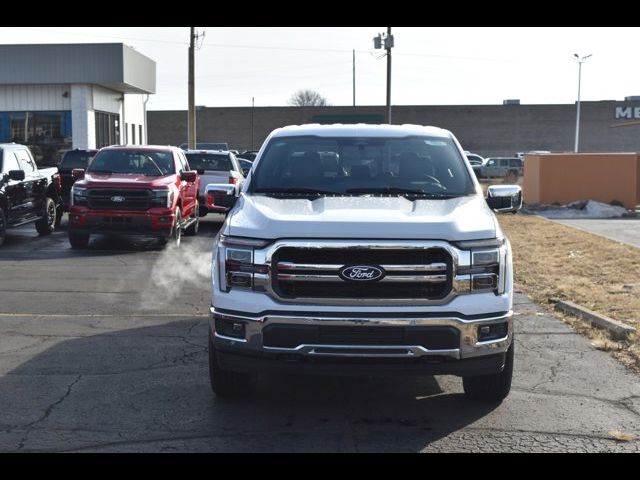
(627, 112)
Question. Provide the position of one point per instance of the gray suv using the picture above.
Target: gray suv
(502, 167)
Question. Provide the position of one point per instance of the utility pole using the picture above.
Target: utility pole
(192, 103)
(388, 44)
(354, 77)
(580, 61)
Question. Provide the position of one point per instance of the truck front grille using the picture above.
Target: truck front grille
(109, 199)
(412, 273)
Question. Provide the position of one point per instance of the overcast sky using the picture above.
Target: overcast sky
(431, 65)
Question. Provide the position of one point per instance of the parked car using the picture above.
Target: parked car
(389, 263)
(27, 194)
(502, 167)
(476, 162)
(249, 155)
(215, 166)
(207, 146)
(70, 160)
(135, 190)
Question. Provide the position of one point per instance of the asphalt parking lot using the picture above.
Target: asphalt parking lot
(105, 350)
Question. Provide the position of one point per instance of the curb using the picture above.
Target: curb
(618, 330)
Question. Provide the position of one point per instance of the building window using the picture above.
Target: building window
(47, 134)
(107, 131)
(140, 134)
(133, 134)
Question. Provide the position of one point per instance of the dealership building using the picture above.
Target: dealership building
(56, 97)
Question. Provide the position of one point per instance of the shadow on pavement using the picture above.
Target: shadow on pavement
(147, 389)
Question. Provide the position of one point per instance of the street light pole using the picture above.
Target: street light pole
(580, 61)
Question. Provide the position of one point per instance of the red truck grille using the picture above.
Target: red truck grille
(108, 199)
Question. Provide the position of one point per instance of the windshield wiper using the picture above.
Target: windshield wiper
(302, 191)
(161, 173)
(100, 171)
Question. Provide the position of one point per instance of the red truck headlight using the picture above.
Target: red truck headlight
(78, 196)
(162, 198)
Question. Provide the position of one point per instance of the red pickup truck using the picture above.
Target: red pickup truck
(141, 190)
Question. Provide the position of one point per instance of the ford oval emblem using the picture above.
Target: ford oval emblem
(117, 199)
(361, 273)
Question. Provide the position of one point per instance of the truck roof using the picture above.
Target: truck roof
(142, 147)
(359, 130)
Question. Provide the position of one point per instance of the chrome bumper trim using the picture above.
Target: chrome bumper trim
(469, 344)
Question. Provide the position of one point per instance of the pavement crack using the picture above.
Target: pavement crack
(51, 407)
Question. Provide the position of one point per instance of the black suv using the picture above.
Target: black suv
(71, 159)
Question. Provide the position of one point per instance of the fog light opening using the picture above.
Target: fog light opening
(230, 328)
(492, 332)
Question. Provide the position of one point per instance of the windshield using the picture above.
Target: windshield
(76, 159)
(411, 165)
(209, 161)
(136, 162)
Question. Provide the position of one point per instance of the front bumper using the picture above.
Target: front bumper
(469, 356)
(154, 222)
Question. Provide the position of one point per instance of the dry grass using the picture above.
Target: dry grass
(622, 436)
(556, 261)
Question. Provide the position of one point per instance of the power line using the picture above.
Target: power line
(262, 47)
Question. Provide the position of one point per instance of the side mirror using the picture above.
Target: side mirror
(17, 175)
(77, 173)
(504, 198)
(221, 194)
(189, 176)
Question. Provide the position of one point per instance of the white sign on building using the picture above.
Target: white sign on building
(627, 112)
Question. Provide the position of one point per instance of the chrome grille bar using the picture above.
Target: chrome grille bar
(335, 278)
(431, 267)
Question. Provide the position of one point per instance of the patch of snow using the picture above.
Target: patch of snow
(581, 209)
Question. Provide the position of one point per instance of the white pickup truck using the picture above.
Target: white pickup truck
(216, 166)
(365, 250)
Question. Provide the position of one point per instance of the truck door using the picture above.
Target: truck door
(34, 185)
(14, 189)
(489, 170)
(189, 189)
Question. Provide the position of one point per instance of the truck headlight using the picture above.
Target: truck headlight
(488, 264)
(162, 198)
(236, 262)
(78, 196)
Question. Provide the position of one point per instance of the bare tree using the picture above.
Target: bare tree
(307, 98)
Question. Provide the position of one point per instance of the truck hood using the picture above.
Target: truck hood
(96, 180)
(455, 219)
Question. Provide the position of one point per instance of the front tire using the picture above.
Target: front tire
(491, 388)
(47, 224)
(225, 383)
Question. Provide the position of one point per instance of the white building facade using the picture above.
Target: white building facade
(57, 97)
